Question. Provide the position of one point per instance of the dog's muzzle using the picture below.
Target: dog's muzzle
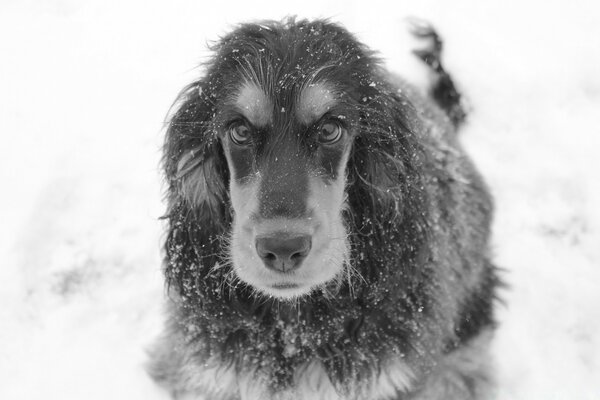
(288, 236)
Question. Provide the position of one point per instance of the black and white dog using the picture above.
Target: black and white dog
(327, 235)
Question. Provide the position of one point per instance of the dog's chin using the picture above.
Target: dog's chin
(290, 286)
(286, 291)
(287, 288)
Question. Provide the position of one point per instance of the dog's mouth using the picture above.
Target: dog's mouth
(287, 290)
(285, 285)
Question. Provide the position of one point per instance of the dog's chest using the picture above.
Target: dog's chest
(311, 382)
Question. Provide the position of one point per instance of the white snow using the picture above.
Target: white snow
(84, 88)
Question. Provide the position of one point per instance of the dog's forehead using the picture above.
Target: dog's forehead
(254, 104)
(307, 102)
(314, 100)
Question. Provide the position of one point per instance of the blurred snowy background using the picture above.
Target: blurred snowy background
(84, 88)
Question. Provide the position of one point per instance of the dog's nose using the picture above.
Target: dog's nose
(281, 253)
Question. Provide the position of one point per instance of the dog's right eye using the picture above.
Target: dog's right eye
(330, 132)
(239, 133)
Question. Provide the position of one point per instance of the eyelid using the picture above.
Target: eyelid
(238, 120)
(327, 117)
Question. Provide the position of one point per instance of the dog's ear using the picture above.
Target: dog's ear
(386, 190)
(386, 160)
(198, 209)
(195, 167)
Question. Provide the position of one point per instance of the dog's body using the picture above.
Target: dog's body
(328, 237)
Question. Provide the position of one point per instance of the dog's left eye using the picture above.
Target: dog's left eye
(330, 132)
(239, 133)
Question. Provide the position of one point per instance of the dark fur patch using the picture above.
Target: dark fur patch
(477, 311)
(444, 91)
(284, 187)
(243, 163)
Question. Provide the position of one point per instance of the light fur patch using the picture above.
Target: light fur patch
(310, 383)
(191, 175)
(464, 373)
(254, 104)
(315, 100)
(395, 377)
(211, 380)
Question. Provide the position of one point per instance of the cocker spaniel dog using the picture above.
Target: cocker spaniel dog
(327, 235)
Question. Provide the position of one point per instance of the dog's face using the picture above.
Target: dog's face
(286, 152)
(270, 131)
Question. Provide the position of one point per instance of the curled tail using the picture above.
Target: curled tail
(443, 90)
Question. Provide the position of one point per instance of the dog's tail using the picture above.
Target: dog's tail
(442, 90)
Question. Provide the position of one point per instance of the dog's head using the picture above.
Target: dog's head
(290, 144)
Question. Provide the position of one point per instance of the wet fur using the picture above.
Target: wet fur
(411, 321)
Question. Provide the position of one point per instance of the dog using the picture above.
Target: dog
(327, 234)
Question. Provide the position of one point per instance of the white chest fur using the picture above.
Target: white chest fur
(311, 383)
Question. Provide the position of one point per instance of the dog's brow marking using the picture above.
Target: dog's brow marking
(314, 101)
(254, 104)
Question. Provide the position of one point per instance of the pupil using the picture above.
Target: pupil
(241, 131)
(329, 130)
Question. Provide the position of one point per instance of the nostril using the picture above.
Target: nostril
(302, 253)
(282, 252)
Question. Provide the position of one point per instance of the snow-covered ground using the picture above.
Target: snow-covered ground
(85, 85)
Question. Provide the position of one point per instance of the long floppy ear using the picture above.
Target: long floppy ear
(198, 209)
(386, 190)
(194, 164)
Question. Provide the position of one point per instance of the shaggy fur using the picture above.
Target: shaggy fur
(410, 315)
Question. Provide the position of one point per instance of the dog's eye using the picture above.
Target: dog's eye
(239, 133)
(330, 132)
